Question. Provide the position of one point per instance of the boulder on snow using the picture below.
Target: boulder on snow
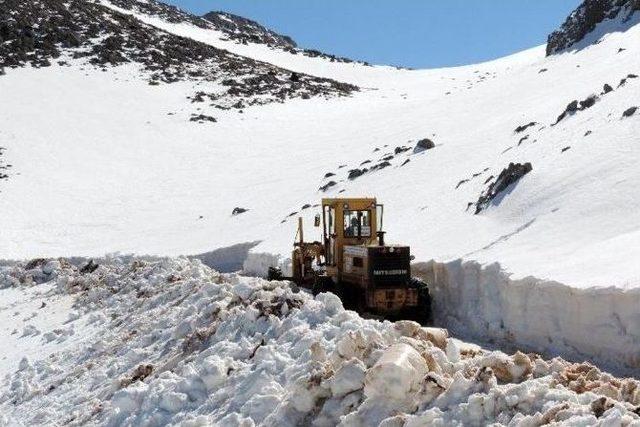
(237, 211)
(424, 144)
(510, 175)
(522, 128)
(607, 88)
(575, 106)
(328, 185)
(355, 173)
(629, 112)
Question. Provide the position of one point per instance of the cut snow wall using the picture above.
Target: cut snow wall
(597, 324)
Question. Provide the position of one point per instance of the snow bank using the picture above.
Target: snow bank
(599, 324)
(177, 343)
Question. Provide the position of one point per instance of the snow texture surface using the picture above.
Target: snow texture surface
(173, 342)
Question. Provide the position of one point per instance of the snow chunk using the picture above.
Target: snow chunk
(397, 374)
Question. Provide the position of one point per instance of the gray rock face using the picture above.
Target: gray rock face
(423, 145)
(584, 20)
(509, 175)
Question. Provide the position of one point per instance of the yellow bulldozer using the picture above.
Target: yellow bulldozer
(353, 261)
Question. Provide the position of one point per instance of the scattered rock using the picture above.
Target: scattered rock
(589, 102)
(607, 88)
(587, 133)
(522, 128)
(329, 175)
(423, 145)
(399, 150)
(382, 165)
(510, 175)
(201, 118)
(328, 185)
(464, 181)
(238, 211)
(629, 112)
(405, 162)
(565, 149)
(544, 70)
(575, 106)
(355, 173)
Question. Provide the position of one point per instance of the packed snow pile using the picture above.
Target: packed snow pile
(173, 341)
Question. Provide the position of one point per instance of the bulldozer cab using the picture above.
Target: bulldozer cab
(348, 222)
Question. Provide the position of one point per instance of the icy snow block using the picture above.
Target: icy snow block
(398, 373)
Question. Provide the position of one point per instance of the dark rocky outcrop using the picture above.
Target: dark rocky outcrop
(328, 185)
(355, 173)
(584, 20)
(237, 211)
(424, 144)
(575, 106)
(629, 112)
(201, 118)
(522, 128)
(510, 175)
(39, 33)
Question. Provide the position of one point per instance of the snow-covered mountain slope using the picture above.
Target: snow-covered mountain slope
(113, 164)
(107, 120)
(172, 342)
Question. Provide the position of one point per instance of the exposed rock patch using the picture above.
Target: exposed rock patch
(510, 175)
(522, 128)
(423, 145)
(37, 33)
(584, 20)
(575, 106)
(237, 211)
(629, 112)
(328, 185)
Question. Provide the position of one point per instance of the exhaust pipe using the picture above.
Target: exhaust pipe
(381, 237)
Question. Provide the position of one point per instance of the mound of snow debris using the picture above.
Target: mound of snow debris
(173, 341)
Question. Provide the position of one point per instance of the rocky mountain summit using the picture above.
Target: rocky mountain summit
(39, 33)
(585, 19)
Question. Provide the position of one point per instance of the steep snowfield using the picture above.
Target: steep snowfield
(103, 162)
(171, 341)
(107, 169)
